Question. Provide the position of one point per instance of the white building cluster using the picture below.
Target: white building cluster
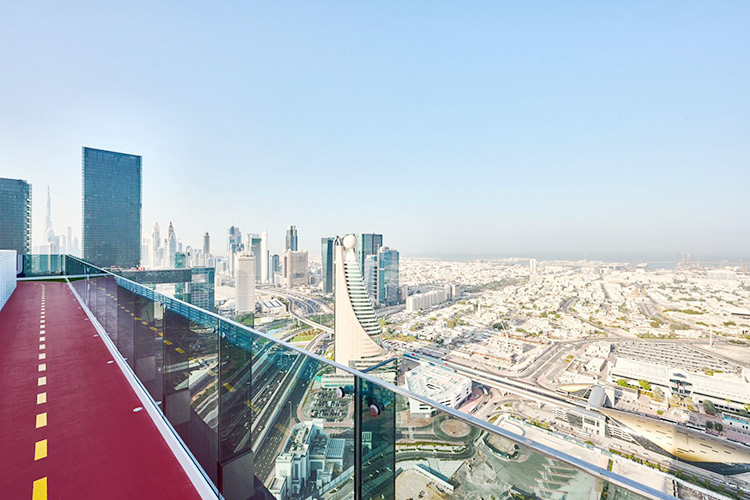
(426, 300)
(439, 384)
(309, 455)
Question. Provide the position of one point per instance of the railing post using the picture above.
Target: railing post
(357, 438)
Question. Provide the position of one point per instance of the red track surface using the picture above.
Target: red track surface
(98, 448)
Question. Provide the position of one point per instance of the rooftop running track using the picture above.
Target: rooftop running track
(67, 425)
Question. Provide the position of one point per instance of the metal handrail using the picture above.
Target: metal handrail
(578, 463)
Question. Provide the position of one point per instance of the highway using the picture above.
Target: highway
(307, 305)
(517, 387)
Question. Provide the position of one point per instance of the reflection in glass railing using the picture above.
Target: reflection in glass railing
(265, 418)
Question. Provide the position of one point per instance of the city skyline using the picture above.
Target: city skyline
(617, 131)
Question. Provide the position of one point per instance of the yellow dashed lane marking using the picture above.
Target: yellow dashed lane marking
(41, 398)
(168, 342)
(180, 350)
(41, 420)
(153, 328)
(229, 387)
(144, 323)
(40, 489)
(42, 381)
(40, 449)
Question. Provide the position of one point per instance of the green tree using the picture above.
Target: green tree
(622, 382)
(709, 424)
(645, 384)
(709, 407)
(658, 394)
(719, 426)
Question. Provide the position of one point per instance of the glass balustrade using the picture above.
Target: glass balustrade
(262, 417)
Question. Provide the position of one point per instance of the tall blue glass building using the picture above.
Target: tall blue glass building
(367, 244)
(326, 256)
(291, 238)
(15, 216)
(255, 249)
(388, 289)
(111, 208)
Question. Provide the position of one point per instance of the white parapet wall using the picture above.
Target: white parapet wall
(7, 275)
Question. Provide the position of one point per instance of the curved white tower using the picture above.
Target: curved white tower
(355, 320)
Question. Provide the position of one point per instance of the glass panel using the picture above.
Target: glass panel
(302, 425)
(92, 294)
(111, 309)
(125, 324)
(191, 399)
(42, 265)
(441, 456)
(148, 347)
(235, 390)
(378, 433)
(73, 267)
(101, 300)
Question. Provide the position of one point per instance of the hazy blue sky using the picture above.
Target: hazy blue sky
(468, 127)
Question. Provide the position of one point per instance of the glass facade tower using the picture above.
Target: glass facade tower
(111, 208)
(291, 239)
(326, 255)
(255, 248)
(388, 288)
(15, 216)
(367, 244)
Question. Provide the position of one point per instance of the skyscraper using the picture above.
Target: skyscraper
(180, 289)
(388, 286)
(254, 243)
(244, 288)
(171, 246)
(367, 244)
(294, 268)
(291, 238)
(355, 321)
(326, 256)
(234, 246)
(48, 217)
(51, 241)
(156, 247)
(264, 271)
(15, 216)
(234, 240)
(275, 263)
(206, 246)
(111, 208)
